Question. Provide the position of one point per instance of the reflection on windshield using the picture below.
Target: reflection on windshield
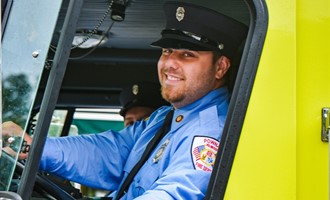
(25, 43)
(16, 90)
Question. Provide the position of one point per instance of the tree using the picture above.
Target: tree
(16, 91)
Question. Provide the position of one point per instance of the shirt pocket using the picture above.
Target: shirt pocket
(132, 159)
(146, 177)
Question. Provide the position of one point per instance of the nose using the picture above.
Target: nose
(171, 61)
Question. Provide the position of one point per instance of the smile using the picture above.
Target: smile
(172, 78)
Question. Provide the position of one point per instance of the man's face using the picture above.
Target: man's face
(186, 75)
(136, 114)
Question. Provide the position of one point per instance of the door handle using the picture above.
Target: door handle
(325, 124)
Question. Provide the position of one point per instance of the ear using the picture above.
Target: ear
(222, 66)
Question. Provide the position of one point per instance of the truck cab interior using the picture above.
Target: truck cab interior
(96, 48)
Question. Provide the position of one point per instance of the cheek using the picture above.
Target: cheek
(159, 66)
(204, 76)
(194, 74)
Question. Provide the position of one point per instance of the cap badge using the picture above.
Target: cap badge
(180, 13)
(135, 89)
(221, 46)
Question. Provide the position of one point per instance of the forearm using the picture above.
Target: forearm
(92, 160)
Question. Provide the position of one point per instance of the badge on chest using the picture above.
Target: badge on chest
(160, 151)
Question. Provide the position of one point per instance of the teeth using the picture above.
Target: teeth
(172, 78)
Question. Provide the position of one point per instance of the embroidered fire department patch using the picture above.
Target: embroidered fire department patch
(204, 151)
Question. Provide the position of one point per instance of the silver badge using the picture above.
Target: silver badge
(160, 152)
(221, 46)
(135, 89)
(180, 13)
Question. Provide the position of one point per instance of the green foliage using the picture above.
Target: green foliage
(16, 92)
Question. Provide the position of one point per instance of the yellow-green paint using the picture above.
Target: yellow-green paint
(280, 155)
(313, 93)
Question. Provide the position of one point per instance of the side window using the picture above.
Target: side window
(57, 124)
(80, 121)
(97, 120)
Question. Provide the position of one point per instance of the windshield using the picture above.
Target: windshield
(25, 45)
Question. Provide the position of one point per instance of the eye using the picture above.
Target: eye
(188, 54)
(128, 122)
(167, 51)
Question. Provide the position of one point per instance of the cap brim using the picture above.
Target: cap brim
(137, 103)
(129, 105)
(122, 112)
(181, 42)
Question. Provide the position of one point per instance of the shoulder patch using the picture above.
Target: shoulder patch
(204, 151)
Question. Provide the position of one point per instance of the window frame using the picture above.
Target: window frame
(240, 98)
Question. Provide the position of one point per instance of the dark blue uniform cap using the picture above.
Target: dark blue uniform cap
(146, 94)
(198, 28)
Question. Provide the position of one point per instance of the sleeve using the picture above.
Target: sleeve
(185, 184)
(95, 160)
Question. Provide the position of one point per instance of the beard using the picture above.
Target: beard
(182, 96)
(171, 94)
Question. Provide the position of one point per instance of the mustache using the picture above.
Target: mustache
(171, 71)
